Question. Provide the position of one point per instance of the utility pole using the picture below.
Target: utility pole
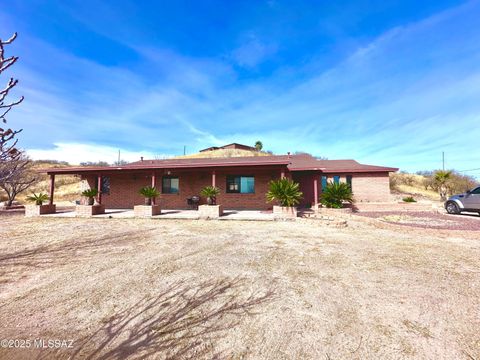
(443, 160)
(118, 162)
(184, 149)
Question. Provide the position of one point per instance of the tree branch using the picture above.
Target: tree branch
(9, 41)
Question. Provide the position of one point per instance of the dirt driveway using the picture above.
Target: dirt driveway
(238, 290)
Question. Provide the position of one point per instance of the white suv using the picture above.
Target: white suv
(469, 201)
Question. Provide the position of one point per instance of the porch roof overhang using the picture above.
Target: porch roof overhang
(162, 166)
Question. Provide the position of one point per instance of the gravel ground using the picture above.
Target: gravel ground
(428, 219)
(239, 290)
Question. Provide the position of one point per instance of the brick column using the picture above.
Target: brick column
(213, 178)
(315, 190)
(153, 185)
(52, 188)
(99, 187)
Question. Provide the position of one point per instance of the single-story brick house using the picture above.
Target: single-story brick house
(243, 181)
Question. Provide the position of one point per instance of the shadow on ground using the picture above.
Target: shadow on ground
(60, 253)
(184, 321)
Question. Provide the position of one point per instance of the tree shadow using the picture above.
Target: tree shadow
(184, 321)
(14, 264)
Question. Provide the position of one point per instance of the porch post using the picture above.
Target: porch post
(153, 185)
(213, 178)
(52, 188)
(315, 190)
(282, 174)
(99, 188)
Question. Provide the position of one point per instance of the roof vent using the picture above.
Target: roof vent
(288, 153)
(141, 158)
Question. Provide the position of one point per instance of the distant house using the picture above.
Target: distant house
(243, 180)
(230, 146)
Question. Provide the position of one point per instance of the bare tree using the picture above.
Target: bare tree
(19, 176)
(8, 142)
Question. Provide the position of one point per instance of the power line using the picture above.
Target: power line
(469, 170)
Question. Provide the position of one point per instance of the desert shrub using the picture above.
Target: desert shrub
(38, 199)
(334, 195)
(402, 178)
(149, 192)
(409, 199)
(285, 192)
(90, 193)
(447, 182)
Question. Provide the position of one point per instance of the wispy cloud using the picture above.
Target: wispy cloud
(400, 100)
(77, 153)
(253, 52)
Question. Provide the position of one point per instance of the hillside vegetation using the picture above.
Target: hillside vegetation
(424, 186)
(67, 187)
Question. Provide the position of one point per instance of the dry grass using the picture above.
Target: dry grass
(411, 185)
(199, 289)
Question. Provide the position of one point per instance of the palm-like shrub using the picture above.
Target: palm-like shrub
(285, 192)
(90, 194)
(38, 198)
(442, 178)
(149, 193)
(210, 192)
(334, 195)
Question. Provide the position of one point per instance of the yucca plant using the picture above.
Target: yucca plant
(210, 192)
(38, 198)
(335, 194)
(284, 191)
(442, 178)
(149, 193)
(90, 195)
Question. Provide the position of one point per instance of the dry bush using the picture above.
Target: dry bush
(397, 179)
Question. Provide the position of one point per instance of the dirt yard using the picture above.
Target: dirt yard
(237, 290)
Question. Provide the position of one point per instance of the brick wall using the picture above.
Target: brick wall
(371, 187)
(368, 187)
(124, 189)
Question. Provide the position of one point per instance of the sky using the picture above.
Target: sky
(392, 83)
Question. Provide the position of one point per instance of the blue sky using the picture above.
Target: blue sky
(389, 83)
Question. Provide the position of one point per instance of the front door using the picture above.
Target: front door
(472, 199)
(305, 179)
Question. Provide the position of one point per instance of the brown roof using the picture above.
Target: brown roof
(293, 162)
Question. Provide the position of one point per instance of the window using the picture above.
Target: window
(241, 184)
(324, 182)
(475, 191)
(105, 185)
(170, 185)
(336, 179)
(349, 181)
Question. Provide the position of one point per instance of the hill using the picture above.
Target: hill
(224, 153)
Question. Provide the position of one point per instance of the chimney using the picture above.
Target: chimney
(288, 153)
(141, 158)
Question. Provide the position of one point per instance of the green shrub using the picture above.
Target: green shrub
(210, 193)
(149, 192)
(409, 199)
(285, 192)
(38, 199)
(90, 193)
(334, 195)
